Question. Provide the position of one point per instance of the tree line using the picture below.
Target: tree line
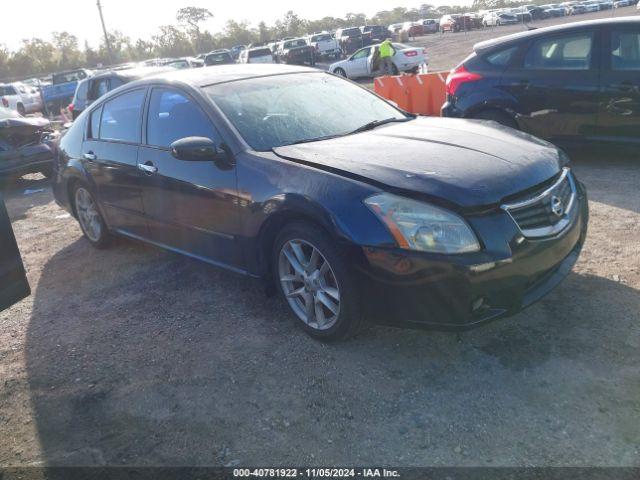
(62, 51)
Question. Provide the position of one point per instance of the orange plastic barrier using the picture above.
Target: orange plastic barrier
(423, 93)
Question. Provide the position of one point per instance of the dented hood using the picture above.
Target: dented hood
(21, 126)
(466, 162)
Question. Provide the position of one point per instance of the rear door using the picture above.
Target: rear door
(555, 80)
(13, 280)
(110, 155)
(619, 116)
(191, 206)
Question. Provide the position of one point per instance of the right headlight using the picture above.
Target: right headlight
(419, 226)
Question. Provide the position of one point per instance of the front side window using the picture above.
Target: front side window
(567, 52)
(279, 110)
(361, 53)
(172, 116)
(625, 50)
(121, 117)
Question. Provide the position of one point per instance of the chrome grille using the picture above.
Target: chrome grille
(548, 212)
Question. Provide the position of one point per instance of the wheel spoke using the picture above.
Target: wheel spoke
(309, 306)
(327, 302)
(332, 292)
(291, 278)
(298, 292)
(321, 318)
(293, 261)
(313, 261)
(297, 251)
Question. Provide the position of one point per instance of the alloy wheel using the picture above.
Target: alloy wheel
(309, 284)
(88, 215)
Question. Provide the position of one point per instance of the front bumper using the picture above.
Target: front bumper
(458, 292)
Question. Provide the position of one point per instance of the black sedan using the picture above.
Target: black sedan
(568, 84)
(349, 207)
(25, 145)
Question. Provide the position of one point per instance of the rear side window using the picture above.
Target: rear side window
(7, 90)
(501, 58)
(567, 52)
(172, 116)
(625, 50)
(121, 118)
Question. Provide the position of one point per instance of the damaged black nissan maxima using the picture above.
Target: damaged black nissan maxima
(350, 208)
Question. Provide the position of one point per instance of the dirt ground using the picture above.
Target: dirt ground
(136, 356)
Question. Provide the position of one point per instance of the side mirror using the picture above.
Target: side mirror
(195, 149)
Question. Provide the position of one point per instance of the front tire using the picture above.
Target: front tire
(341, 72)
(91, 222)
(314, 278)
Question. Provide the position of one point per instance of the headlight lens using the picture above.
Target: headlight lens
(420, 226)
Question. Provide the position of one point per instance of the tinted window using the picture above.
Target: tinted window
(81, 92)
(569, 52)
(625, 50)
(172, 116)
(7, 90)
(502, 57)
(121, 117)
(361, 53)
(260, 52)
(94, 123)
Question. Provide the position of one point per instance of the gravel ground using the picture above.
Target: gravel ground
(132, 355)
(136, 356)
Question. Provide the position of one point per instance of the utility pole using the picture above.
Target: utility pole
(104, 29)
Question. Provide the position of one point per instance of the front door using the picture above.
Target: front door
(556, 82)
(110, 155)
(619, 116)
(358, 63)
(191, 206)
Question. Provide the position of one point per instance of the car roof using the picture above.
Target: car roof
(488, 44)
(202, 77)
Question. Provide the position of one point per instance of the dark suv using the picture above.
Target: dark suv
(566, 84)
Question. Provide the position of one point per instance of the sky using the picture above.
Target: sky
(141, 18)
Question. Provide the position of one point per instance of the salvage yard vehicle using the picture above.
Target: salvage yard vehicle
(430, 25)
(92, 88)
(325, 45)
(366, 62)
(455, 23)
(256, 55)
(25, 145)
(377, 33)
(20, 97)
(296, 51)
(567, 84)
(553, 10)
(219, 57)
(351, 39)
(351, 208)
(499, 18)
(62, 89)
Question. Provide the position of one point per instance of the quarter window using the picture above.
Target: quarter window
(172, 116)
(94, 123)
(502, 57)
(121, 118)
(568, 52)
(625, 50)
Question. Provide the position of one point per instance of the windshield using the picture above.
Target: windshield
(351, 32)
(260, 52)
(295, 43)
(320, 38)
(283, 109)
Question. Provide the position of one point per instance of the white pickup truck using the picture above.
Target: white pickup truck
(325, 45)
(20, 97)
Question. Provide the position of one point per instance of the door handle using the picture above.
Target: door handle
(90, 156)
(148, 168)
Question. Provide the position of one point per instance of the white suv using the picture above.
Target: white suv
(20, 97)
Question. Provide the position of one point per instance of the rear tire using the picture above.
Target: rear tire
(314, 278)
(89, 217)
(497, 116)
(21, 110)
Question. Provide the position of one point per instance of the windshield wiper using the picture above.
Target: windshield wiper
(377, 123)
(309, 140)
